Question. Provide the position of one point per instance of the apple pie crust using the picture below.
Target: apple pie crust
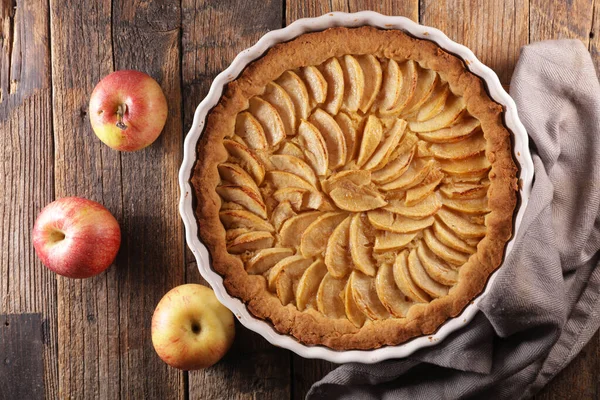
(355, 187)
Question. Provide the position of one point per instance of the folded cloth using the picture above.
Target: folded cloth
(544, 305)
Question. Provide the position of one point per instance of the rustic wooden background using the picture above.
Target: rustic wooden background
(93, 336)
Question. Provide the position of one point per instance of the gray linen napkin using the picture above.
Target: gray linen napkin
(544, 305)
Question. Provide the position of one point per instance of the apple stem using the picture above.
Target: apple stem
(121, 110)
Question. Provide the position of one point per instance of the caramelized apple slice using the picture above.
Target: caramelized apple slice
(420, 277)
(391, 241)
(464, 190)
(463, 128)
(334, 138)
(389, 221)
(337, 254)
(355, 83)
(373, 76)
(283, 277)
(427, 187)
(449, 238)
(409, 82)
(329, 297)
(314, 146)
(442, 251)
(333, 74)
(435, 103)
(425, 208)
(292, 229)
(469, 167)
(351, 197)
(290, 149)
(308, 285)
(452, 111)
(232, 219)
(395, 168)
(281, 179)
(383, 152)
(231, 234)
(269, 119)
(392, 298)
(405, 282)
(468, 206)
(469, 147)
(265, 259)
(356, 176)
(241, 155)
(236, 175)
(349, 129)
(414, 175)
(372, 135)
(315, 83)
(293, 195)
(436, 268)
(365, 296)
(463, 227)
(392, 85)
(295, 166)
(314, 238)
(361, 246)
(282, 213)
(245, 197)
(250, 130)
(426, 81)
(282, 102)
(250, 241)
(297, 91)
(353, 313)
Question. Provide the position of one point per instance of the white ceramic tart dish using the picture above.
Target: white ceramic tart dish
(376, 194)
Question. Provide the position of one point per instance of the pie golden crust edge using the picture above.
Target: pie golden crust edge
(310, 326)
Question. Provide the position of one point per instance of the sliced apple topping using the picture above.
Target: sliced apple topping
(469, 167)
(265, 259)
(329, 297)
(422, 279)
(392, 298)
(316, 201)
(409, 82)
(333, 136)
(354, 198)
(386, 241)
(282, 102)
(373, 76)
(372, 134)
(355, 83)
(452, 111)
(281, 179)
(358, 177)
(293, 195)
(389, 221)
(294, 165)
(333, 74)
(469, 147)
(383, 152)
(269, 118)
(231, 234)
(446, 253)
(245, 197)
(437, 269)
(365, 296)
(337, 254)
(435, 103)
(361, 246)
(232, 219)
(250, 130)
(349, 129)
(283, 277)
(290, 149)
(282, 213)
(405, 282)
(314, 238)
(414, 175)
(426, 81)
(292, 229)
(308, 285)
(463, 128)
(425, 208)
(400, 161)
(464, 190)
(297, 91)
(316, 84)
(236, 175)
(450, 239)
(427, 187)
(314, 147)
(353, 313)
(462, 226)
(392, 85)
(246, 159)
(468, 206)
(250, 241)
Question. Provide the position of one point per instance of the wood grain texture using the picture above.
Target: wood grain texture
(26, 168)
(213, 33)
(560, 20)
(594, 36)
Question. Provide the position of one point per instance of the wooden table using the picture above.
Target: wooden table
(91, 338)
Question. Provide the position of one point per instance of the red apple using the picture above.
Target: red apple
(76, 237)
(191, 329)
(128, 110)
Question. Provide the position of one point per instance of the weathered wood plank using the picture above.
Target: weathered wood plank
(594, 36)
(26, 168)
(213, 33)
(494, 30)
(146, 38)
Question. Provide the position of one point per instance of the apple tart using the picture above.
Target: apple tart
(355, 187)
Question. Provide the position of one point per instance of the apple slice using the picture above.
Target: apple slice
(269, 119)
(316, 201)
(250, 241)
(408, 71)
(308, 285)
(356, 176)
(349, 129)
(392, 298)
(333, 135)
(329, 297)
(401, 158)
(425, 208)
(231, 234)
(314, 238)
(361, 246)
(365, 296)
(449, 238)
(391, 87)
(468, 206)
(372, 135)
(232, 219)
(452, 111)
(236, 175)
(250, 130)
(373, 76)
(293, 195)
(383, 152)
(337, 254)
(282, 213)
(351, 197)
(461, 130)
(282, 102)
(297, 91)
(424, 281)
(241, 155)
(415, 174)
(426, 82)
(290, 149)
(333, 74)
(435, 103)
(265, 259)
(355, 83)
(417, 194)
(286, 280)
(294, 165)
(469, 147)
(314, 146)
(437, 269)
(463, 227)
(228, 206)
(391, 241)
(294, 263)
(316, 84)
(404, 281)
(469, 167)
(389, 221)
(281, 179)
(353, 313)
(245, 197)
(292, 229)
(464, 190)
